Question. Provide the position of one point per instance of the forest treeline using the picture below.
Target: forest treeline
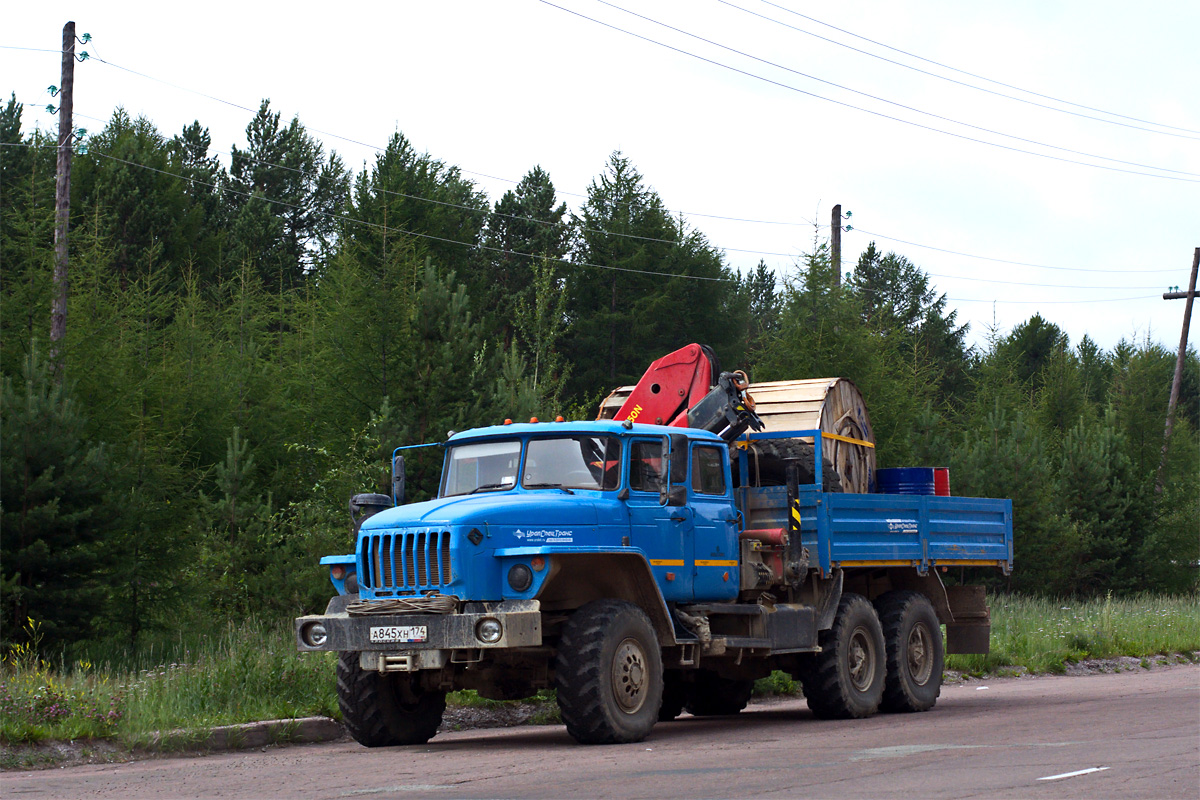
(245, 345)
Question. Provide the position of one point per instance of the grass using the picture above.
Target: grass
(251, 671)
(1044, 635)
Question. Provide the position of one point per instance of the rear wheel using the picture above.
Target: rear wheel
(915, 654)
(846, 678)
(608, 673)
(384, 710)
(710, 695)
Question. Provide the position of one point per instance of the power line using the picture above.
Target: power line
(947, 78)
(803, 221)
(1004, 261)
(389, 229)
(860, 108)
(972, 74)
(510, 216)
(469, 245)
(667, 241)
(883, 99)
(379, 149)
(31, 49)
(1049, 302)
(1042, 285)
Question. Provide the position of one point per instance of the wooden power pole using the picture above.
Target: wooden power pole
(1189, 295)
(62, 201)
(835, 244)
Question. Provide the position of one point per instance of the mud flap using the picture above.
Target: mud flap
(970, 632)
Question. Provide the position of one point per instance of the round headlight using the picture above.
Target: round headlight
(520, 577)
(314, 634)
(489, 630)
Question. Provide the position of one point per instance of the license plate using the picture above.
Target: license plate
(399, 633)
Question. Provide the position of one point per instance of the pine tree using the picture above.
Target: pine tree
(26, 233)
(55, 509)
(286, 197)
(1100, 497)
(623, 316)
(1006, 457)
(525, 232)
(898, 302)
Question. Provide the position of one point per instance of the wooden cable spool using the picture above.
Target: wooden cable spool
(831, 405)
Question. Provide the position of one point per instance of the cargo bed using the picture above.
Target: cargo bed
(881, 530)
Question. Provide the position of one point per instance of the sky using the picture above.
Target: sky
(751, 118)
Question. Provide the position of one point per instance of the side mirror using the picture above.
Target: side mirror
(398, 479)
(674, 496)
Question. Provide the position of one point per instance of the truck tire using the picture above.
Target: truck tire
(710, 695)
(769, 466)
(845, 680)
(385, 710)
(915, 654)
(674, 695)
(608, 673)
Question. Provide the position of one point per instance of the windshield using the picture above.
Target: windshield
(563, 462)
(486, 466)
(576, 462)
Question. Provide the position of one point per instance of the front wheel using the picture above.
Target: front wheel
(608, 674)
(385, 710)
(845, 679)
(915, 655)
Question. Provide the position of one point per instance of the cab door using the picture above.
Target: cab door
(664, 533)
(715, 549)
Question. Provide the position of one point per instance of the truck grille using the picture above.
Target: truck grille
(402, 563)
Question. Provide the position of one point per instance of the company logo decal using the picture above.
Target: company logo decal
(545, 536)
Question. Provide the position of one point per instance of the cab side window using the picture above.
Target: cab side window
(708, 472)
(645, 466)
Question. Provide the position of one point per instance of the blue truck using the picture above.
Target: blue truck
(641, 570)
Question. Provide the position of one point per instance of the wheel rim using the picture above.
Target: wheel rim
(630, 678)
(920, 654)
(861, 660)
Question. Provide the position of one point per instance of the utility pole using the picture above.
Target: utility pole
(62, 202)
(1189, 295)
(835, 244)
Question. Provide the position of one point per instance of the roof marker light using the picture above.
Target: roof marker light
(533, 419)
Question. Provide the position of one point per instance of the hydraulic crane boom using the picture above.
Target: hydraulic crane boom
(687, 389)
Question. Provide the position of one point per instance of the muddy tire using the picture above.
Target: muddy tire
(846, 679)
(710, 695)
(674, 695)
(385, 710)
(915, 654)
(608, 674)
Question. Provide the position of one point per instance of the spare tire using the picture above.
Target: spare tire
(769, 459)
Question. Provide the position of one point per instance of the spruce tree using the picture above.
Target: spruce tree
(54, 510)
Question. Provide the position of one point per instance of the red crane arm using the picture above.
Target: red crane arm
(671, 385)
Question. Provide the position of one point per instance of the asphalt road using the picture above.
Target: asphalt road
(1137, 732)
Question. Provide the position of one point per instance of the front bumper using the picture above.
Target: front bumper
(521, 623)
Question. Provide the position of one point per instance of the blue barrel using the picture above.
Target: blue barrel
(905, 480)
